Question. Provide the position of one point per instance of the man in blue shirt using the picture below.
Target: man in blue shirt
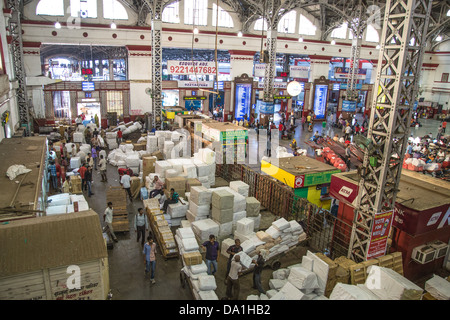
(212, 256)
(140, 225)
(53, 175)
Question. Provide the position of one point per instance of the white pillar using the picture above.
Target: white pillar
(140, 75)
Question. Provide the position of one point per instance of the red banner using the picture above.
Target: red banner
(381, 228)
(343, 190)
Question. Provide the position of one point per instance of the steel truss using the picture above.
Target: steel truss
(357, 27)
(400, 60)
(15, 32)
(156, 28)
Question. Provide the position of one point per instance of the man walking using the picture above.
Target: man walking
(125, 181)
(140, 225)
(102, 167)
(88, 181)
(108, 218)
(212, 249)
(94, 156)
(53, 175)
(232, 250)
(119, 137)
(233, 286)
(82, 172)
(150, 258)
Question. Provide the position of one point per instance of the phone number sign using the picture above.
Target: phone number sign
(191, 67)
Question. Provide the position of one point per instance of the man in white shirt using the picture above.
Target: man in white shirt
(233, 286)
(125, 181)
(102, 167)
(108, 218)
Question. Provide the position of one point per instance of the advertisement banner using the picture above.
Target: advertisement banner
(191, 67)
(299, 72)
(265, 107)
(320, 100)
(276, 85)
(195, 84)
(381, 227)
(349, 106)
(259, 70)
(343, 73)
(343, 190)
(243, 101)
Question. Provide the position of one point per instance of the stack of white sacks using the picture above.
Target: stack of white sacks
(125, 156)
(381, 284)
(65, 203)
(177, 212)
(199, 203)
(203, 284)
(297, 282)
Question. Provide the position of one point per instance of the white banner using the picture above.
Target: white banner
(276, 85)
(191, 67)
(259, 70)
(299, 72)
(195, 84)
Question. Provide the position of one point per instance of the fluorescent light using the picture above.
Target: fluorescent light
(113, 26)
(333, 42)
(300, 39)
(57, 25)
(438, 38)
(239, 34)
(195, 30)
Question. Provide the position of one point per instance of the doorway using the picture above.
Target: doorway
(90, 111)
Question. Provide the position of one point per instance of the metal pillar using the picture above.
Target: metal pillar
(15, 32)
(403, 43)
(269, 72)
(157, 65)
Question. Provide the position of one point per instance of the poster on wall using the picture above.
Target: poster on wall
(348, 106)
(381, 227)
(243, 100)
(191, 67)
(320, 100)
(343, 73)
(299, 72)
(259, 70)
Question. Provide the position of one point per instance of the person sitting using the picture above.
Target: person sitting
(158, 186)
(174, 198)
(293, 145)
(336, 137)
(316, 136)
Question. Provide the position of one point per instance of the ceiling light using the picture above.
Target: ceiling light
(195, 30)
(300, 39)
(113, 25)
(438, 38)
(57, 25)
(333, 42)
(239, 34)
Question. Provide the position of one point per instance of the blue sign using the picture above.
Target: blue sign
(243, 101)
(343, 86)
(348, 106)
(220, 85)
(88, 86)
(320, 101)
(416, 103)
(193, 105)
(265, 107)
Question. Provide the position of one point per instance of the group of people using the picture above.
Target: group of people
(158, 191)
(234, 267)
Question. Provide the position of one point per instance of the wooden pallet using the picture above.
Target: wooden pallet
(358, 272)
(120, 214)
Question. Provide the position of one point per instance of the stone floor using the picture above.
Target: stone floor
(126, 261)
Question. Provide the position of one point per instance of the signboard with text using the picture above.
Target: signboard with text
(243, 100)
(191, 67)
(299, 72)
(381, 227)
(320, 100)
(343, 73)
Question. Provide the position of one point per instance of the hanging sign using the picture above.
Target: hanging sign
(259, 70)
(299, 72)
(191, 67)
(381, 227)
(348, 106)
(343, 73)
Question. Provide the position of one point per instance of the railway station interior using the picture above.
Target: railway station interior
(312, 131)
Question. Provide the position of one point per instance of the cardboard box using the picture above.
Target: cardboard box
(192, 182)
(148, 165)
(192, 258)
(177, 183)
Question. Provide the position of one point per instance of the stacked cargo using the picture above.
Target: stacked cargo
(66, 203)
(199, 203)
(222, 211)
(118, 197)
(177, 212)
(160, 228)
(177, 183)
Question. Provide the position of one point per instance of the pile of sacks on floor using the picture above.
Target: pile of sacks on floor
(130, 127)
(125, 156)
(66, 203)
(172, 144)
(194, 267)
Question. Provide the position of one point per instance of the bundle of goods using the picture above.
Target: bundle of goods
(78, 137)
(413, 164)
(240, 187)
(199, 203)
(281, 152)
(111, 140)
(66, 203)
(204, 228)
(177, 212)
(438, 288)
(381, 284)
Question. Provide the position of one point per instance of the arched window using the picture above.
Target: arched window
(372, 34)
(225, 20)
(287, 22)
(340, 32)
(83, 8)
(196, 12)
(50, 8)
(306, 27)
(171, 13)
(259, 24)
(112, 9)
